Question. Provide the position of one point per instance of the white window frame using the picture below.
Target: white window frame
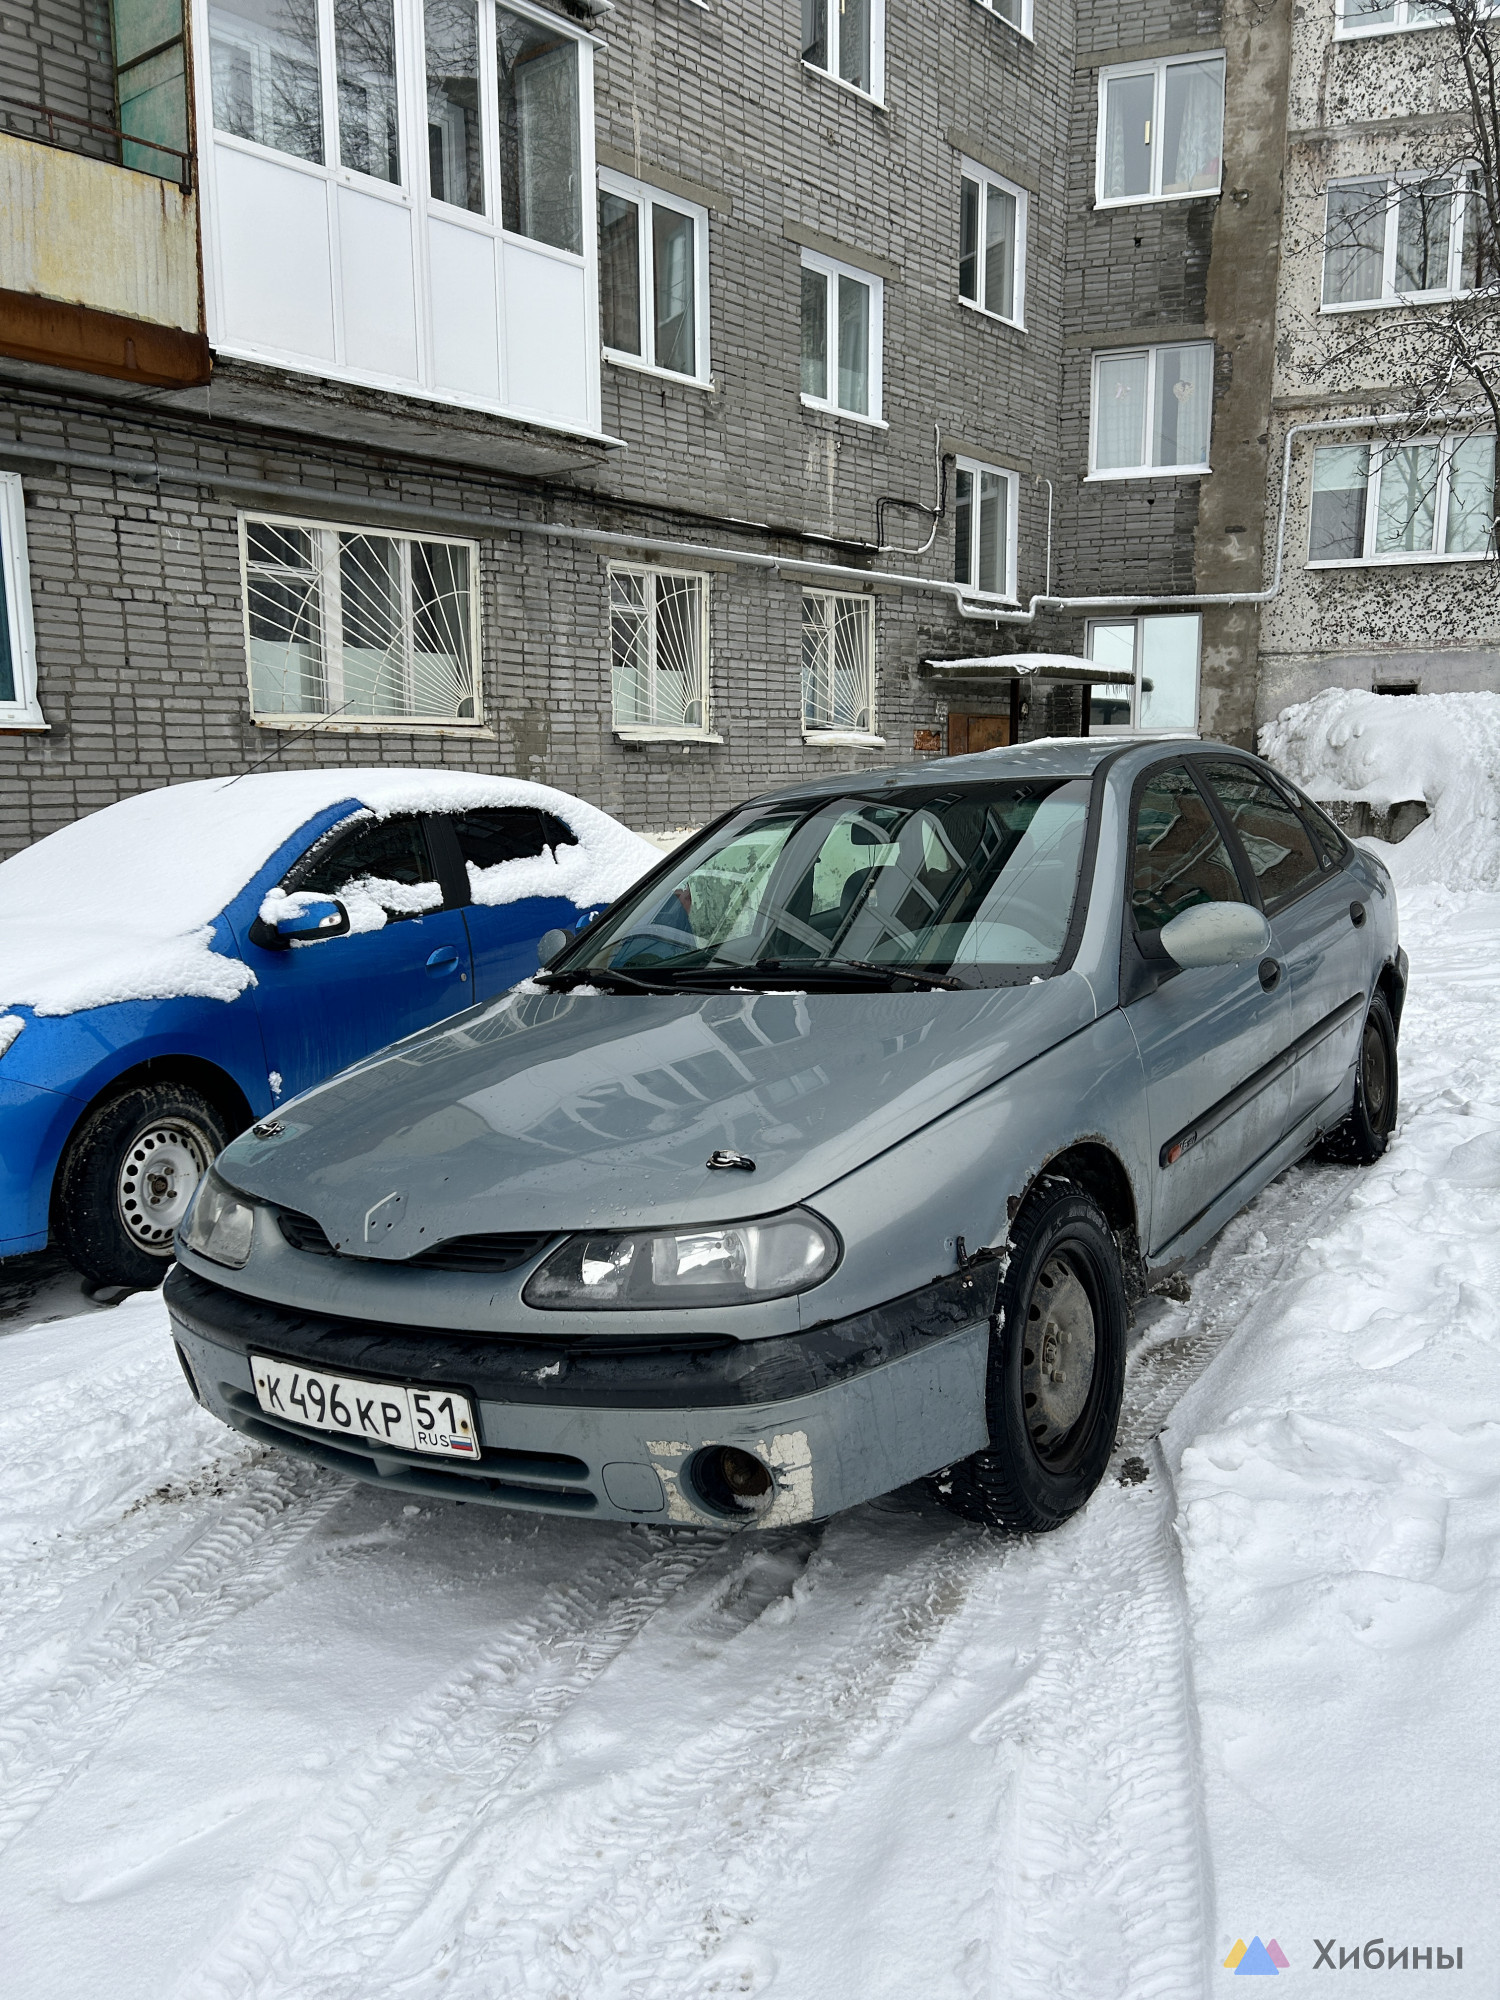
(24, 711)
(876, 93)
(1148, 423)
(334, 716)
(1463, 193)
(1023, 25)
(1346, 30)
(971, 170)
(663, 732)
(1404, 558)
(870, 737)
(1157, 67)
(647, 198)
(832, 270)
(1135, 727)
(975, 468)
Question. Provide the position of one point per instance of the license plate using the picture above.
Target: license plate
(439, 1422)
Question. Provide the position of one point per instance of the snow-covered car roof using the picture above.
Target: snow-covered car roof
(119, 905)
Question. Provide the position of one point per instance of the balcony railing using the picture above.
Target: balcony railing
(181, 172)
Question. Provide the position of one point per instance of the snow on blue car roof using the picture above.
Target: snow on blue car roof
(120, 905)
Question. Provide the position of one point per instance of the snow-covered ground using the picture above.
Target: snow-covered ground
(263, 1733)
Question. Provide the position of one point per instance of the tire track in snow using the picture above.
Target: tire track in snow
(232, 1563)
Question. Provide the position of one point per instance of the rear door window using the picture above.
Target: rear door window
(1180, 858)
(1269, 828)
(495, 834)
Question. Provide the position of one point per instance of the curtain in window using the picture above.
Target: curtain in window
(1354, 246)
(854, 345)
(1336, 531)
(263, 56)
(1194, 127)
(1120, 412)
(442, 664)
(620, 272)
(815, 33)
(454, 147)
(1423, 234)
(1000, 253)
(815, 334)
(1405, 511)
(968, 240)
(630, 647)
(541, 196)
(672, 254)
(1184, 401)
(1471, 497)
(1129, 103)
(283, 602)
(994, 532)
(836, 660)
(364, 41)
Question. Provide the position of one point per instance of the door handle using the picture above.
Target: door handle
(1356, 914)
(444, 959)
(1270, 972)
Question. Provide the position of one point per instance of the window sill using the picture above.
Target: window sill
(984, 600)
(398, 726)
(1155, 200)
(639, 367)
(1414, 560)
(999, 319)
(859, 739)
(845, 416)
(1343, 33)
(23, 722)
(661, 732)
(842, 83)
(1391, 305)
(1027, 33)
(1148, 472)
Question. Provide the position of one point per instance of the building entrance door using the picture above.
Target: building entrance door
(977, 732)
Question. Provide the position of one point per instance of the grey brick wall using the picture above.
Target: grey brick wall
(58, 53)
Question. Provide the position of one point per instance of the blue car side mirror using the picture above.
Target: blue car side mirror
(305, 919)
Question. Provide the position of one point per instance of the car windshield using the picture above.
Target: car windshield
(969, 885)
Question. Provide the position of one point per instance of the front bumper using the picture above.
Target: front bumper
(610, 1428)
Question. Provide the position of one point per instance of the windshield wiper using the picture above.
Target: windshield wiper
(600, 975)
(833, 968)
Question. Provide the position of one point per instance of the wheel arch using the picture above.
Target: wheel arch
(212, 1082)
(1097, 1168)
(1392, 986)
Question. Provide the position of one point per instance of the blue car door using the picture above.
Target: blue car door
(503, 933)
(403, 964)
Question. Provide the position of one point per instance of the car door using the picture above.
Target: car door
(506, 855)
(403, 964)
(1315, 923)
(1209, 1036)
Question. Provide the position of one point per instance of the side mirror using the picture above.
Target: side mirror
(550, 943)
(1216, 934)
(301, 918)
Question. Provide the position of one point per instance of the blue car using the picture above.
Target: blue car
(176, 965)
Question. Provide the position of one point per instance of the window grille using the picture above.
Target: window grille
(838, 662)
(658, 622)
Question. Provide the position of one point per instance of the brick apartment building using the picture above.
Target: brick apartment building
(640, 398)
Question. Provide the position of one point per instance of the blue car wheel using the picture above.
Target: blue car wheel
(127, 1178)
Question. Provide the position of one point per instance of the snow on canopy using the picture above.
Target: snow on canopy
(1444, 749)
(120, 905)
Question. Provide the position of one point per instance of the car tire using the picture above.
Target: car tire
(1056, 1370)
(127, 1177)
(1364, 1135)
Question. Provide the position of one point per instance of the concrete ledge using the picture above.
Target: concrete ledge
(101, 343)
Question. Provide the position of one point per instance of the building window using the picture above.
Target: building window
(1387, 503)
(984, 528)
(846, 38)
(658, 637)
(1395, 240)
(19, 708)
(1161, 129)
(653, 278)
(838, 663)
(358, 624)
(1152, 407)
(1157, 661)
(842, 315)
(1382, 17)
(992, 244)
(273, 72)
(1017, 12)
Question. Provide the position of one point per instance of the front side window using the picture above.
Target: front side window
(1277, 845)
(991, 244)
(1383, 17)
(1161, 129)
(1179, 858)
(842, 312)
(653, 270)
(1405, 502)
(658, 630)
(380, 871)
(984, 528)
(846, 38)
(1390, 241)
(267, 73)
(358, 624)
(1157, 661)
(838, 662)
(977, 881)
(18, 700)
(1151, 410)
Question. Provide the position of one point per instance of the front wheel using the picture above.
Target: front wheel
(1364, 1135)
(1056, 1371)
(127, 1178)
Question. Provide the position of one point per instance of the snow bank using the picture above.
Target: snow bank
(1443, 748)
(120, 905)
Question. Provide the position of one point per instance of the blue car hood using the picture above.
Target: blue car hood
(579, 1111)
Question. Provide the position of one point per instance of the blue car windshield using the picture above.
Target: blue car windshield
(976, 883)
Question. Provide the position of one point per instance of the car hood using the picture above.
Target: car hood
(580, 1111)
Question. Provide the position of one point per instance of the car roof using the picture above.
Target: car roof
(1048, 757)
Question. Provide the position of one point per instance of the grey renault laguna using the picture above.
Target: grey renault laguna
(830, 1157)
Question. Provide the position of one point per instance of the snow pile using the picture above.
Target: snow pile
(121, 905)
(1443, 748)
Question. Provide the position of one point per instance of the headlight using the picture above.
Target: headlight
(219, 1225)
(721, 1264)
